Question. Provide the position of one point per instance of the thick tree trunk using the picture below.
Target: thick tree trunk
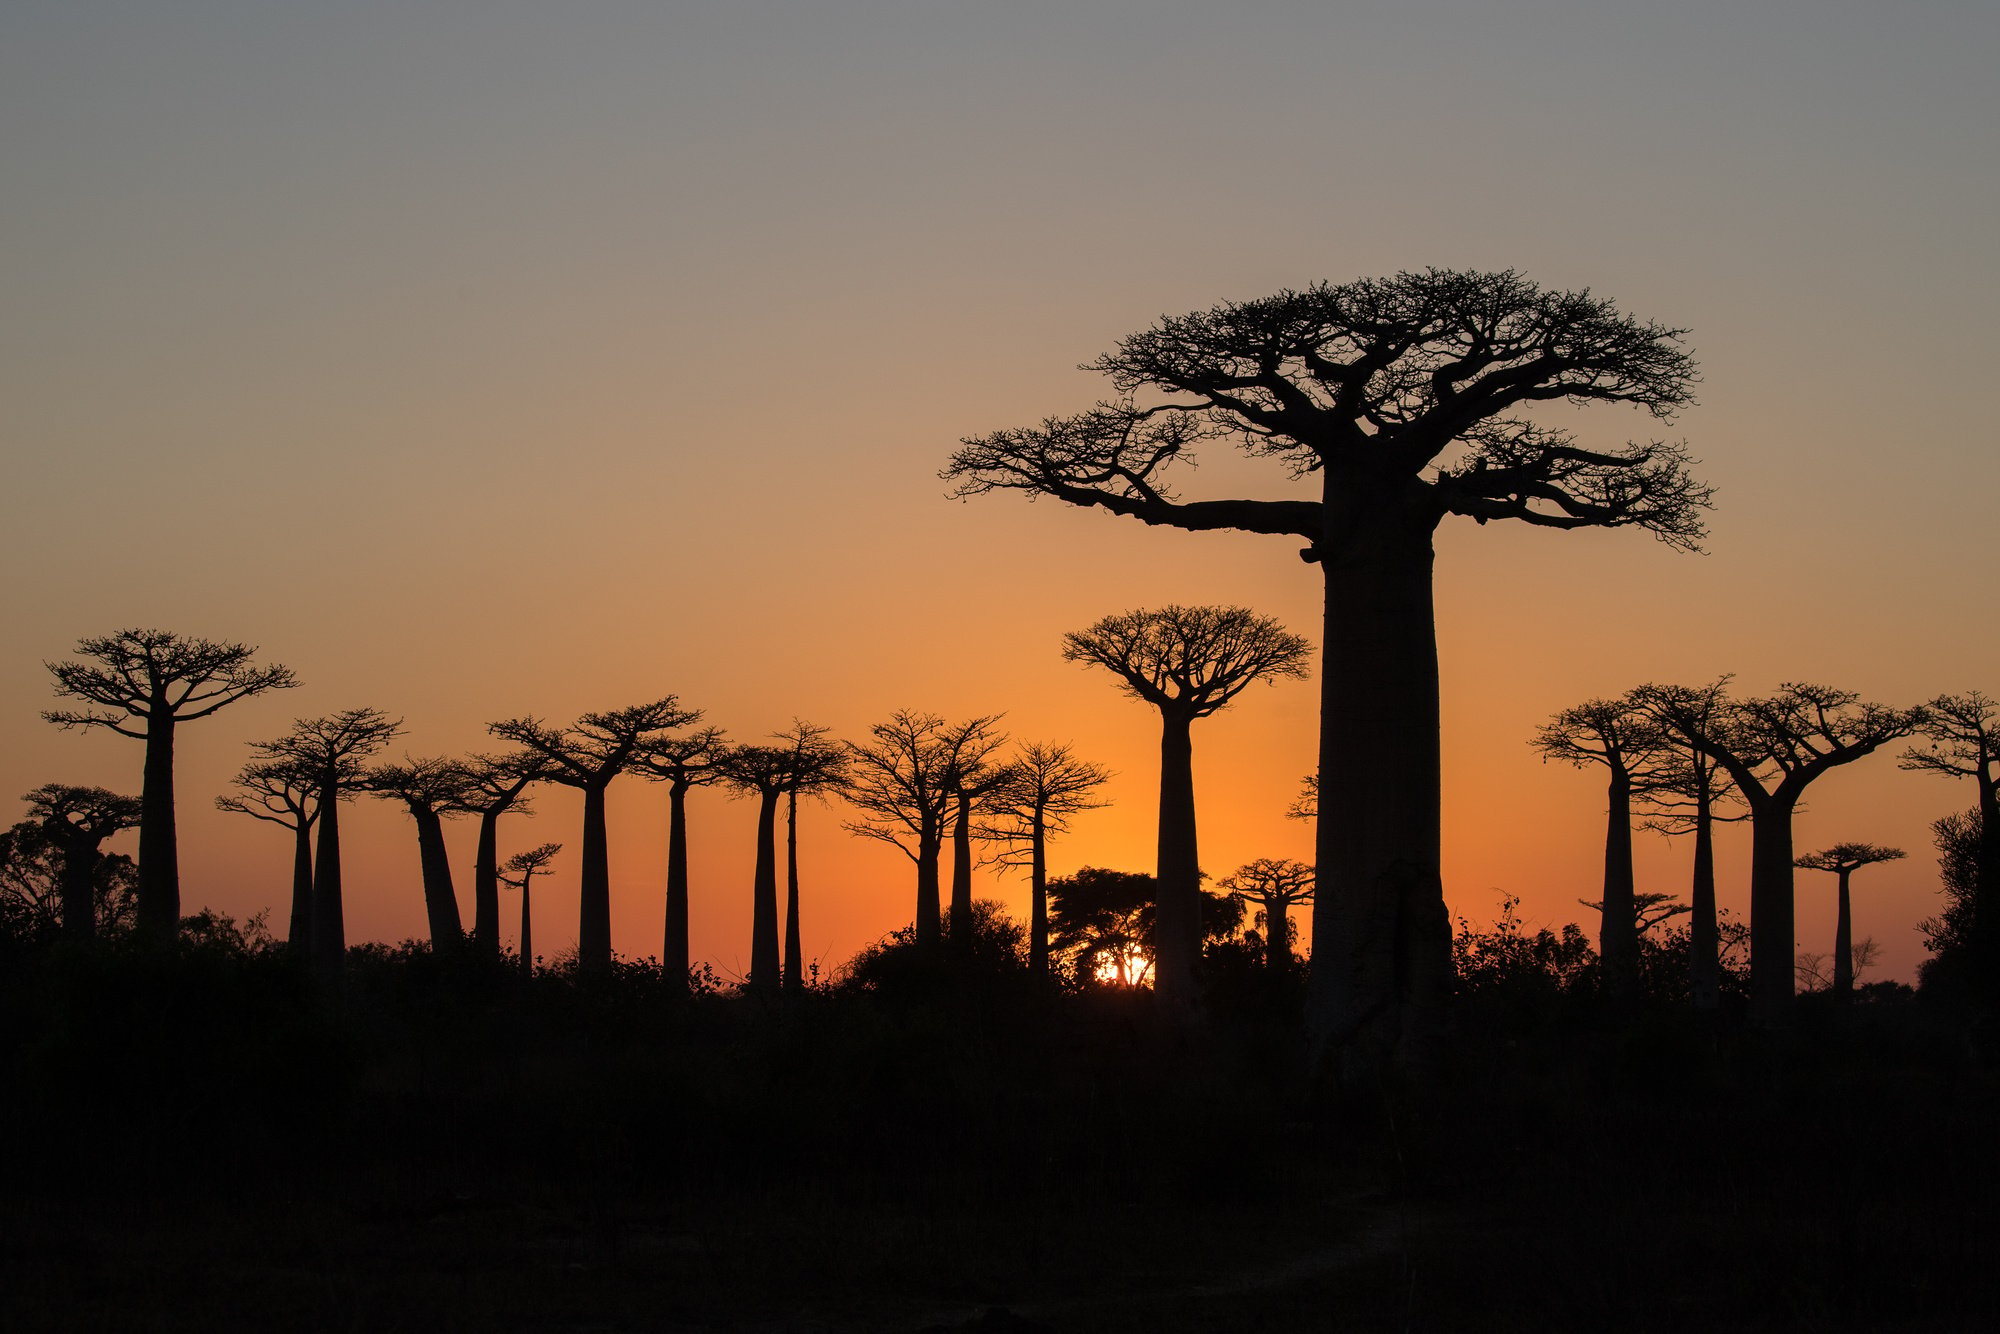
(593, 933)
(1177, 920)
(329, 931)
(930, 842)
(1381, 971)
(961, 872)
(79, 876)
(764, 897)
(794, 951)
(486, 885)
(300, 935)
(1277, 938)
(1772, 934)
(1843, 943)
(674, 956)
(1038, 888)
(1617, 931)
(159, 916)
(1704, 926)
(440, 897)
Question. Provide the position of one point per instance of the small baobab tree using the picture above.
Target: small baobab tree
(684, 762)
(77, 821)
(431, 790)
(284, 793)
(143, 684)
(1047, 786)
(519, 872)
(1843, 860)
(1188, 663)
(1276, 885)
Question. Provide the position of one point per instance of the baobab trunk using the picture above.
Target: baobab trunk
(1381, 937)
(1704, 929)
(440, 898)
(1843, 943)
(486, 886)
(794, 952)
(929, 840)
(329, 931)
(1277, 938)
(79, 874)
(300, 934)
(1177, 923)
(674, 956)
(527, 929)
(961, 873)
(593, 931)
(159, 914)
(764, 897)
(1617, 932)
(1772, 937)
(1038, 885)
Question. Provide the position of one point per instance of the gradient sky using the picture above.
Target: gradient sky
(479, 359)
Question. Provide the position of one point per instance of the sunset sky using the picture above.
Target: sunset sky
(486, 358)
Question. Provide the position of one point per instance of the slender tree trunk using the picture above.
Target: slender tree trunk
(674, 957)
(794, 953)
(1177, 921)
(929, 846)
(329, 931)
(961, 871)
(1617, 931)
(1772, 931)
(1277, 938)
(527, 928)
(299, 937)
(1843, 944)
(1704, 926)
(1381, 937)
(593, 935)
(486, 885)
(159, 916)
(79, 876)
(1038, 886)
(440, 898)
(764, 897)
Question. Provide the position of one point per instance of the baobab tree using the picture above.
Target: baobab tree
(1772, 748)
(77, 820)
(144, 684)
(587, 755)
(818, 767)
(284, 793)
(431, 790)
(1964, 735)
(1627, 742)
(764, 772)
(683, 762)
(1277, 885)
(902, 784)
(33, 869)
(330, 749)
(972, 791)
(1399, 401)
(519, 873)
(1843, 860)
(1047, 786)
(1187, 662)
(495, 785)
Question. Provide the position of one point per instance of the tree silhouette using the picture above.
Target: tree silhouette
(1964, 735)
(818, 766)
(682, 762)
(430, 790)
(330, 749)
(77, 820)
(33, 871)
(1102, 921)
(1393, 397)
(495, 785)
(1620, 736)
(588, 755)
(1773, 747)
(284, 793)
(1843, 859)
(1277, 885)
(972, 792)
(766, 773)
(519, 872)
(1047, 786)
(1187, 662)
(144, 684)
(1949, 935)
(902, 783)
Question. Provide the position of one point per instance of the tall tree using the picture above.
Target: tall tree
(1277, 885)
(972, 791)
(688, 761)
(1964, 735)
(588, 755)
(77, 820)
(818, 767)
(1400, 400)
(144, 683)
(1187, 662)
(1772, 748)
(284, 793)
(431, 790)
(1047, 786)
(1843, 860)
(765, 772)
(1627, 742)
(902, 784)
(495, 785)
(519, 872)
(331, 749)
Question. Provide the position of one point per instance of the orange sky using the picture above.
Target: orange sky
(476, 361)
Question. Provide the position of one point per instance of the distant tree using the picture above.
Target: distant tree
(1964, 735)
(1843, 860)
(1515, 968)
(1772, 748)
(431, 790)
(495, 785)
(1400, 401)
(1619, 736)
(972, 792)
(1648, 911)
(284, 793)
(1101, 925)
(145, 683)
(519, 872)
(818, 767)
(1819, 972)
(764, 772)
(588, 755)
(1305, 806)
(691, 760)
(1949, 935)
(1187, 662)
(34, 868)
(1047, 787)
(76, 821)
(331, 749)
(1277, 885)
(902, 783)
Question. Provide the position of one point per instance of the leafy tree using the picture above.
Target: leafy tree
(1101, 925)
(1843, 860)
(144, 684)
(1277, 884)
(1964, 736)
(1047, 786)
(1949, 935)
(1521, 969)
(1187, 662)
(495, 785)
(691, 760)
(431, 790)
(33, 870)
(1400, 400)
(75, 821)
(519, 872)
(284, 793)
(587, 755)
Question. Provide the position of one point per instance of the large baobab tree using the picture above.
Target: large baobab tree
(683, 762)
(495, 785)
(1187, 662)
(818, 767)
(330, 749)
(284, 793)
(431, 790)
(588, 755)
(519, 873)
(1396, 402)
(77, 820)
(1843, 860)
(1964, 736)
(1627, 742)
(902, 783)
(143, 684)
(1047, 786)
(1277, 885)
(1772, 748)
